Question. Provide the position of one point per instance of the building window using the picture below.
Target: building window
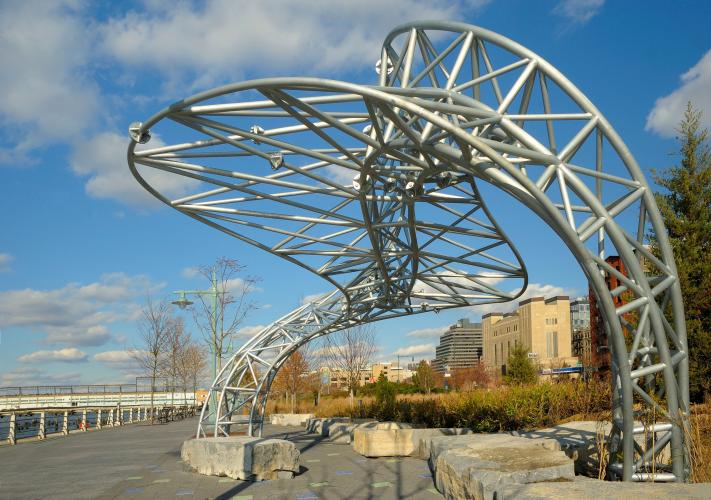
(552, 344)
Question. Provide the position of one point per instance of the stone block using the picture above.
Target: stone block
(593, 489)
(342, 432)
(424, 439)
(582, 440)
(468, 472)
(322, 425)
(390, 439)
(441, 444)
(294, 419)
(242, 457)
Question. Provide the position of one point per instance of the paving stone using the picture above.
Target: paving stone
(593, 489)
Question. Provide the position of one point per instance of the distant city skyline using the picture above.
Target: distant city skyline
(82, 245)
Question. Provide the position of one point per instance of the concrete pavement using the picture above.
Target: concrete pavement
(143, 461)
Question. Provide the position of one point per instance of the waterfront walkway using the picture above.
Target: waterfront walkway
(143, 461)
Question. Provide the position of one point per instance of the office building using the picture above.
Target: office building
(580, 324)
(541, 325)
(459, 347)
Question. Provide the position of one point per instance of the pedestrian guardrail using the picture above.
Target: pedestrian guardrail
(28, 424)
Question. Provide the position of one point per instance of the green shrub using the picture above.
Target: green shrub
(385, 394)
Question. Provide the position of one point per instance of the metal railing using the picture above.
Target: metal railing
(77, 396)
(23, 425)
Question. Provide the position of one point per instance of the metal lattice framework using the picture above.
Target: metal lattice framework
(374, 188)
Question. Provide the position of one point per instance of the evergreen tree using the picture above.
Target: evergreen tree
(520, 368)
(385, 396)
(686, 209)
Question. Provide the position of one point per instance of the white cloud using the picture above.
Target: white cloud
(66, 355)
(249, 331)
(5, 260)
(80, 334)
(533, 290)
(427, 332)
(36, 376)
(75, 314)
(103, 159)
(579, 11)
(307, 299)
(695, 87)
(190, 272)
(209, 41)
(122, 360)
(415, 350)
(237, 285)
(47, 96)
(460, 284)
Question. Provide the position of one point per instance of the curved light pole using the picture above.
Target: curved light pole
(374, 188)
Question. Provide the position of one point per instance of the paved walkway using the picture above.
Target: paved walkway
(143, 461)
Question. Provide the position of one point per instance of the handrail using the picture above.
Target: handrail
(38, 423)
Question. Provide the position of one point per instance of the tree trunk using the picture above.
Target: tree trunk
(153, 388)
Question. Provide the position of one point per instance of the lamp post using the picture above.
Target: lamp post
(182, 302)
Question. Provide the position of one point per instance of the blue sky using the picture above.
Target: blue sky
(81, 245)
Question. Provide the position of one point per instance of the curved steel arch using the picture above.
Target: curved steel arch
(411, 233)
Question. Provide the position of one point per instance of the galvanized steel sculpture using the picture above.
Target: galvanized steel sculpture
(374, 188)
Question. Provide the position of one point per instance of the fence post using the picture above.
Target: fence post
(65, 423)
(13, 429)
(42, 432)
(84, 423)
(98, 418)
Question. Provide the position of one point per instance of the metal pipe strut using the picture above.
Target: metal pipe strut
(375, 189)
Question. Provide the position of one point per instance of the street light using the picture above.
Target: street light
(182, 302)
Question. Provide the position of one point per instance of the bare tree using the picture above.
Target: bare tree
(191, 366)
(350, 351)
(177, 341)
(234, 303)
(154, 330)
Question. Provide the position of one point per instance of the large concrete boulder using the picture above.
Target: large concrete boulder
(424, 438)
(242, 457)
(469, 466)
(322, 425)
(342, 432)
(593, 489)
(397, 440)
(583, 441)
(441, 444)
(293, 419)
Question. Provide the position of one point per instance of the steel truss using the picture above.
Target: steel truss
(374, 188)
